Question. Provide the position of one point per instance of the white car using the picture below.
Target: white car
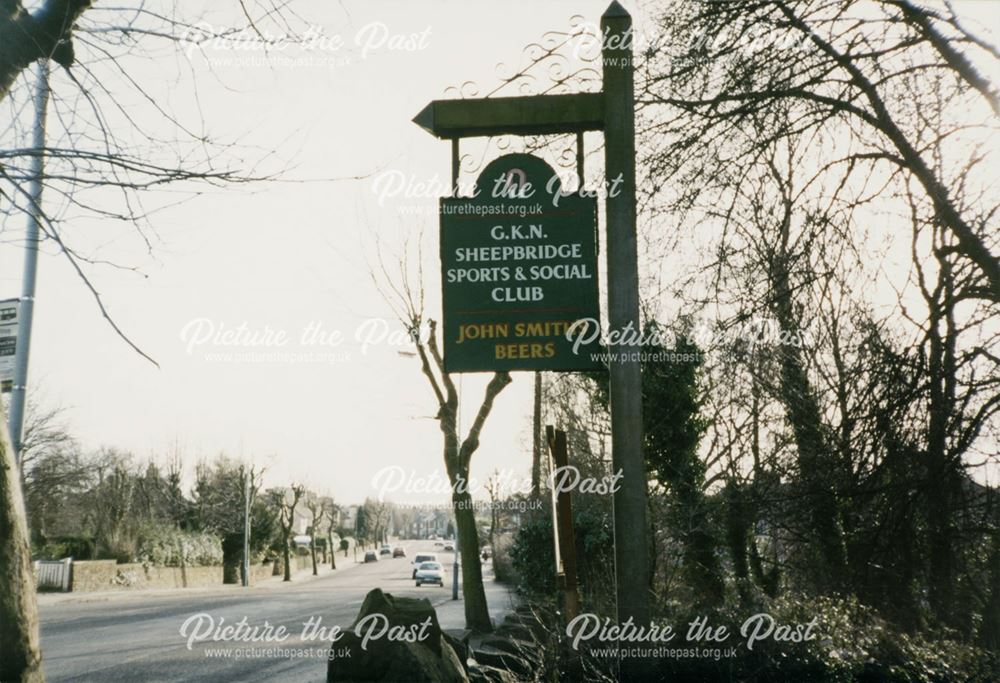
(430, 572)
(420, 559)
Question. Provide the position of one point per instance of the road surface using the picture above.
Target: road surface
(136, 636)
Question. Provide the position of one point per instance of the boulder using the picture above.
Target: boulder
(459, 641)
(412, 647)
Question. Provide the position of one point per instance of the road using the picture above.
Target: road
(136, 636)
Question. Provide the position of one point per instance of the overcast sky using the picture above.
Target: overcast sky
(288, 256)
(284, 256)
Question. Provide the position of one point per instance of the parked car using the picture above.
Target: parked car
(398, 552)
(370, 556)
(420, 559)
(429, 572)
(438, 544)
(385, 550)
(449, 546)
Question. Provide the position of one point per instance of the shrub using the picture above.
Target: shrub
(166, 546)
(853, 644)
(503, 565)
(77, 547)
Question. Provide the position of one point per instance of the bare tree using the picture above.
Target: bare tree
(286, 500)
(407, 301)
(332, 516)
(318, 508)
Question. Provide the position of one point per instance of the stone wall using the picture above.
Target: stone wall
(104, 575)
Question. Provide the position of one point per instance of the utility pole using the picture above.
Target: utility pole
(631, 561)
(25, 312)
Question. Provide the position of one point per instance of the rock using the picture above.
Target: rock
(460, 644)
(412, 646)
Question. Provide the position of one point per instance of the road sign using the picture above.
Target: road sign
(8, 343)
(518, 270)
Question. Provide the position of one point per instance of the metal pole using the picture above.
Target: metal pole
(631, 563)
(25, 312)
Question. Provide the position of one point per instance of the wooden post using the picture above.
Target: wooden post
(565, 536)
(631, 561)
(536, 439)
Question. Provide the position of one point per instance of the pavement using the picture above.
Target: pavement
(137, 635)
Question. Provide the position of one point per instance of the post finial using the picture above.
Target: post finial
(616, 11)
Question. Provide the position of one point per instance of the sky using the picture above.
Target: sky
(291, 256)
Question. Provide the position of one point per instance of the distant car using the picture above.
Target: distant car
(370, 556)
(385, 550)
(398, 552)
(449, 546)
(429, 572)
(438, 544)
(420, 559)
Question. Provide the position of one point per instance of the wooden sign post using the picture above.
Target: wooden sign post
(613, 112)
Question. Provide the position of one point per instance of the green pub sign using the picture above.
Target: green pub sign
(519, 272)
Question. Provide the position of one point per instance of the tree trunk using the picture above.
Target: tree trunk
(288, 559)
(737, 533)
(477, 613)
(25, 38)
(232, 557)
(312, 549)
(818, 472)
(21, 659)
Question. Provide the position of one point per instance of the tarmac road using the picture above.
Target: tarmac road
(136, 636)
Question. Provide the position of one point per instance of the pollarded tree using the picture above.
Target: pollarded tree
(318, 508)
(332, 517)
(407, 301)
(285, 501)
